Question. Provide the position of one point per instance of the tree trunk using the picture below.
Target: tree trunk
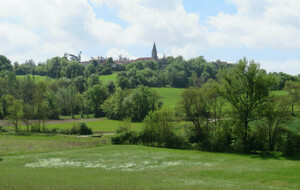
(245, 138)
(293, 114)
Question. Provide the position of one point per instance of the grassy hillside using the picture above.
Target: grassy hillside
(36, 77)
(170, 96)
(138, 167)
(105, 78)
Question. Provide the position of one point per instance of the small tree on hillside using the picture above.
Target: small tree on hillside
(27, 115)
(98, 95)
(15, 111)
(195, 107)
(275, 113)
(293, 88)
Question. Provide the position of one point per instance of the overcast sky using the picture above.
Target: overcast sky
(267, 31)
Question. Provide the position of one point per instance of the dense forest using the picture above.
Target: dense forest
(227, 107)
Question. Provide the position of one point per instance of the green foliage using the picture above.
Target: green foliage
(35, 128)
(293, 88)
(5, 64)
(74, 69)
(275, 113)
(292, 145)
(246, 88)
(80, 129)
(2, 128)
(134, 104)
(159, 130)
(98, 94)
(195, 106)
(125, 135)
(15, 111)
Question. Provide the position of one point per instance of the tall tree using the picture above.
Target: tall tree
(195, 107)
(246, 88)
(215, 101)
(98, 95)
(5, 64)
(27, 115)
(275, 113)
(293, 88)
(15, 111)
(39, 97)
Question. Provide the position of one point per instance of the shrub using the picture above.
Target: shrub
(158, 130)
(35, 128)
(125, 135)
(54, 131)
(80, 129)
(2, 128)
(84, 130)
(220, 139)
(64, 131)
(292, 145)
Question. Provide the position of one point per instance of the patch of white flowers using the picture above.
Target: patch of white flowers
(109, 165)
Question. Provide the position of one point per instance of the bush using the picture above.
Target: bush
(292, 145)
(35, 128)
(220, 139)
(176, 141)
(80, 129)
(159, 130)
(2, 128)
(64, 131)
(125, 135)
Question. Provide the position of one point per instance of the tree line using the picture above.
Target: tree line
(235, 113)
(229, 110)
(173, 71)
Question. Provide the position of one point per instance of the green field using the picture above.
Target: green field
(105, 78)
(170, 96)
(104, 125)
(134, 167)
(36, 77)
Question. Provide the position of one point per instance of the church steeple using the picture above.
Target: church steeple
(154, 52)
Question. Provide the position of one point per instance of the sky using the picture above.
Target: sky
(266, 31)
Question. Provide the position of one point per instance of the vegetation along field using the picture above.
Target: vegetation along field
(165, 124)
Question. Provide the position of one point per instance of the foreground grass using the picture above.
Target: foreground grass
(138, 167)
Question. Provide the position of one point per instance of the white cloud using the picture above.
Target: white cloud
(260, 23)
(16, 39)
(115, 53)
(43, 29)
(288, 66)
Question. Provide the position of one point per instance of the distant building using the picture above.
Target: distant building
(124, 61)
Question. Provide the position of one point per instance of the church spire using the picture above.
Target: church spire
(154, 52)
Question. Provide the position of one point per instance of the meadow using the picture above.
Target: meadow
(138, 167)
(44, 161)
(169, 96)
(106, 78)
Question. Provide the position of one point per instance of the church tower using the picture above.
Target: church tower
(154, 52)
